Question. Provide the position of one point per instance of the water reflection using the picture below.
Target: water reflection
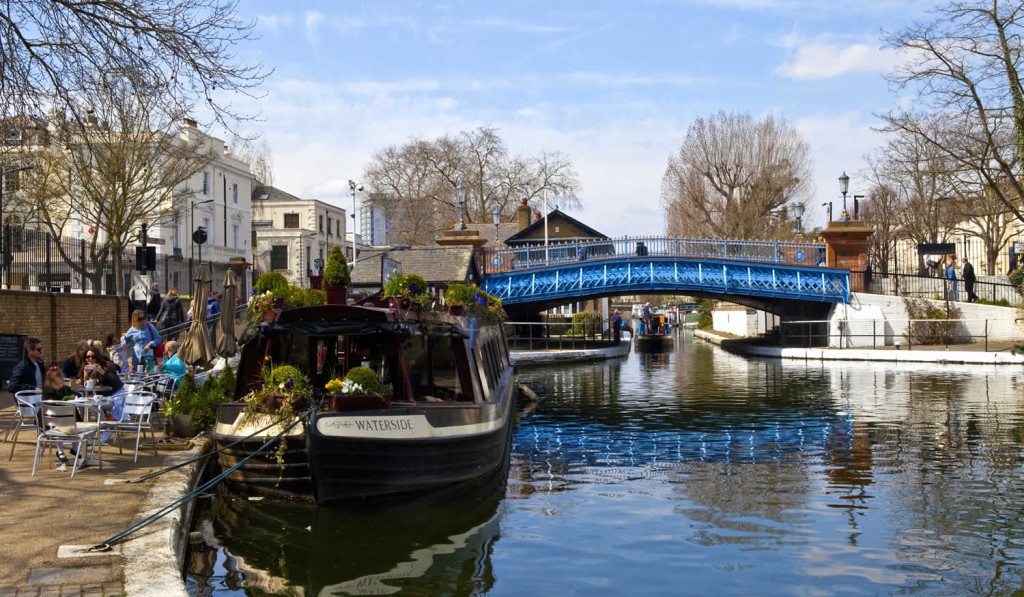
(741, 476)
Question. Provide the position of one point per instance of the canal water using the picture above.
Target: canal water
(686, 473)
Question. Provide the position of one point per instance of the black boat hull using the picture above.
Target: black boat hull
(401, 451)
(654, 343)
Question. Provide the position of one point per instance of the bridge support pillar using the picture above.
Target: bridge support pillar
(846, 247)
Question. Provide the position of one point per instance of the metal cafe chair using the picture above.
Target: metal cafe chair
(59, 426)
(26, 404)
(135, 419)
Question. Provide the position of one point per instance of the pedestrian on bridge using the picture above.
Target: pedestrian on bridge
(951, 278)
(969, 279)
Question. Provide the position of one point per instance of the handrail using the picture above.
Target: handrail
(498, 260)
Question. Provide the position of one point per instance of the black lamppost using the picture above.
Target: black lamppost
(844, 187)
(497, 220)
(353, 187)
(461, 192)
(192, 245)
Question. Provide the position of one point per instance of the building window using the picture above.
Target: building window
(291, 220)
(12, 181)
(338, 224)
(308, 264)
(234, 192)
(328, 225)
(279, 257)
(13, 138)
(234, 235)
(206, 183)
(209, 231)
(321, 220)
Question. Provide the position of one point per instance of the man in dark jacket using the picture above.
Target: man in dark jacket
(153, 306)
(969, 279)
(30, 371)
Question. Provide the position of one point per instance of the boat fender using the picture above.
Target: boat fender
(527, 393)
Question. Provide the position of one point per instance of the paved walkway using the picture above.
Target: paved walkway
(41, 513)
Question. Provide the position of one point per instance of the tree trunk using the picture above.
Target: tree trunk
(118, 278)
(991, 255)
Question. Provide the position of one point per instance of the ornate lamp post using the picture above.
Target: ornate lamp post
(497, 220)
(798, 211)
(353, 187)
(461, 191)
(844, 187)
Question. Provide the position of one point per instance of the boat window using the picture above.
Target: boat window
(431, 365)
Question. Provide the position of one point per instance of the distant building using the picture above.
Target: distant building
(292, 235)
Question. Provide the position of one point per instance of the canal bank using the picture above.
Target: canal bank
(998, 353)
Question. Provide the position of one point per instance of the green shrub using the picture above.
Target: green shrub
(705, 320)
(925, 331)
(1017, 276)
(183, 398)
(272, 281)
(282, 375)
(477, 303)
(315, 296)
(295, 296)
(408, 286)
(1002, 303)
(365, 377)
(587, 323)
(227, 384)
(336, 271)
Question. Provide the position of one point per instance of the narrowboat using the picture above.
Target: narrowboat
(655, 336)
(442, 412)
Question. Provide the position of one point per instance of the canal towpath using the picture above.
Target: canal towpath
(45, 515)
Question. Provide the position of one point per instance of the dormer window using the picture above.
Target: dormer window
(13, 138)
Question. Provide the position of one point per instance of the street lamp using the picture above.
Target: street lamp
(828, 204)
(497, 220)
(353, 187)
(844, 187)
(798, 211)
(461, 192)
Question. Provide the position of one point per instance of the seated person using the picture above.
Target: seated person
(172, 364)
(54, 387)
(73, 364)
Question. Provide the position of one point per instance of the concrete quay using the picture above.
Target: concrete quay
(998, 353)
(48, 520)
(551, 357)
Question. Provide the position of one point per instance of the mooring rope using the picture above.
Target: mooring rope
(153, 474)
(113, 540)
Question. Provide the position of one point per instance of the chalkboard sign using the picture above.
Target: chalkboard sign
(11, 346)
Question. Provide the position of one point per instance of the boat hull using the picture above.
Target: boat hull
(654, 343)
(408, 450)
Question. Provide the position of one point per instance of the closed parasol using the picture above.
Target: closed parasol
(227, 346)
(196, 348)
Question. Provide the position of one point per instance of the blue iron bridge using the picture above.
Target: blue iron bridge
(735, 269)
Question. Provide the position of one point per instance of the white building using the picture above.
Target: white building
(293, 236)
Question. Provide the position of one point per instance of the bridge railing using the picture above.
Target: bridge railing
(498, 260)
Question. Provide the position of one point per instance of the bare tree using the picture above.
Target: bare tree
(123, 165)
(731, 173)
(255, 151)
(418, 182)
(965, 63)
(51, 52)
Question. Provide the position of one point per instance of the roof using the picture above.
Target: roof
(525, 235)
(505, 230)
(272, 193)
(435, 263)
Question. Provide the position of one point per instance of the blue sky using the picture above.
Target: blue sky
(613, 85)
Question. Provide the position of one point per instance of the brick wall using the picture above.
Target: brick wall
(60, 319)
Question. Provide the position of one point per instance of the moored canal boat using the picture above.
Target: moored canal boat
(655, 336)
(433, 407)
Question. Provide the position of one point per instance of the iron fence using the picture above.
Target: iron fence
(558, 336)
(884, 332)
(37, 261)
(990, 289)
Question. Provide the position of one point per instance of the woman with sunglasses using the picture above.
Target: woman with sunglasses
(103, 371)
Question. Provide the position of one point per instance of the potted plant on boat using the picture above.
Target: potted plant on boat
(283, 390)
(360, 390)
(471, 301)
(336, 278)
(407, 290)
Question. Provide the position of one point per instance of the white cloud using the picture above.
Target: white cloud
(816, 61)
(313, 19)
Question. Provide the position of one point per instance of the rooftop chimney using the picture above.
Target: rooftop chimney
(537, 216)
(523, 211)
(190, 122)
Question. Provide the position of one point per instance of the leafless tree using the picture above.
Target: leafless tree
(52, 51)
(255, 151)
(882, 210)
(123, 165)
(418, 182)
(731, 173)
(964, 62)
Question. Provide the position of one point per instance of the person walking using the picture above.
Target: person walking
(968, 275)
(951, 277)
(143, 337)
(154, 304)
(171, 312)
(30, 371)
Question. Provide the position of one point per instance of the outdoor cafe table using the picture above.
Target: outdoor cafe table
(81, 391)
